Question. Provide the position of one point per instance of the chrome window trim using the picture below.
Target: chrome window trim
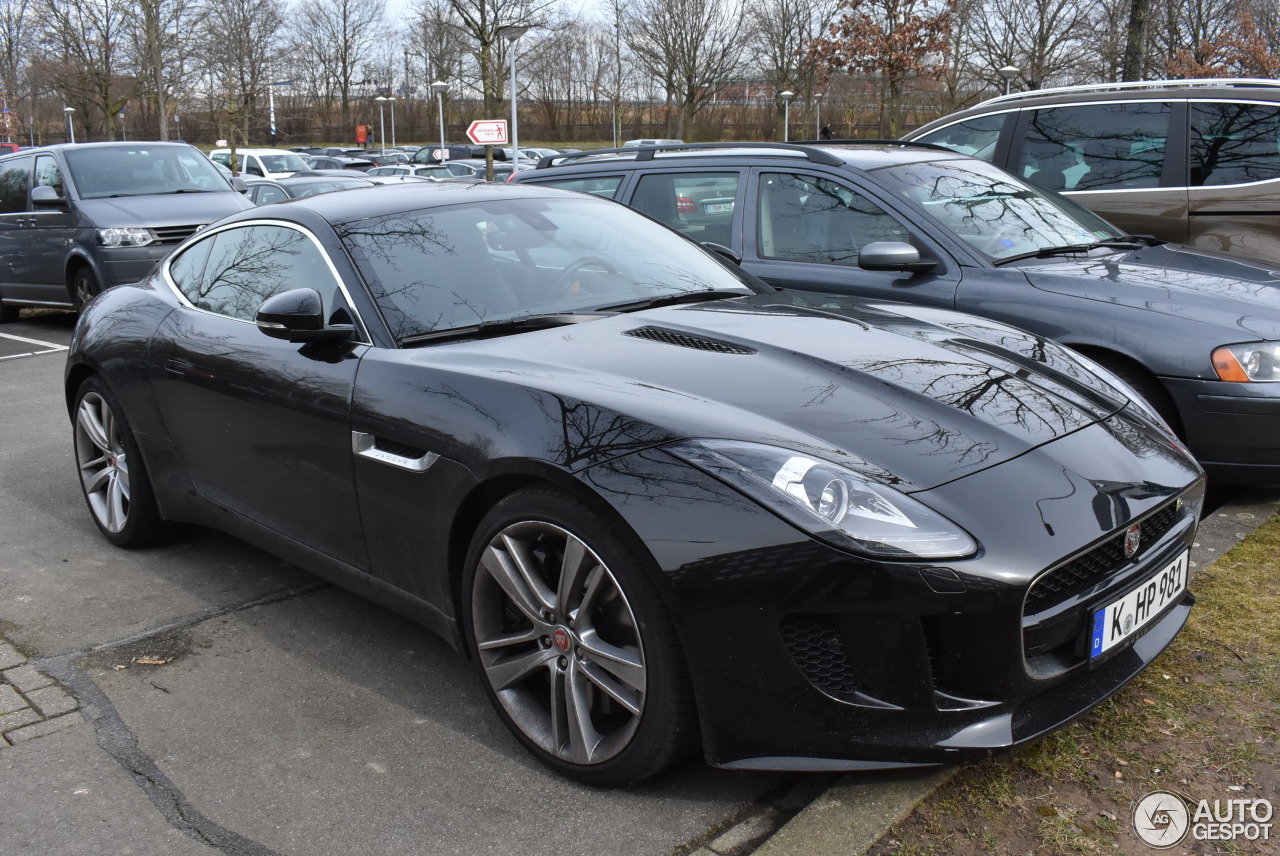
(206, 234)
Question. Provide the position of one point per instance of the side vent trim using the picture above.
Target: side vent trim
(688, 340)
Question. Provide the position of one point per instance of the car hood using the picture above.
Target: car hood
(158, 210)
(1240, 295)
(881, 388)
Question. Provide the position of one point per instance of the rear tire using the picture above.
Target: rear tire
(8, 313)
(113, 477)
(577, 652)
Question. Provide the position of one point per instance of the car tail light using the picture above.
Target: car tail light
(685, 205)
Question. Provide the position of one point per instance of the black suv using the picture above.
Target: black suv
(75, 219)
(1196, 333)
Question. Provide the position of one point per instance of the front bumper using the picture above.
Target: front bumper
(804, 657)
(1233, 429)
(123, 265)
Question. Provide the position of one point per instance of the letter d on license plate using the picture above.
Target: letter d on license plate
(1121, 619)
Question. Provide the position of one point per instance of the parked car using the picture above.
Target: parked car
(656, 501)
(263, 191)
(385, 158)
(438, 171)
(631, 144)
(456, 151)
(1190, 161)
(1196, 332)
(263, 163)
(341, 162)
(76, 219)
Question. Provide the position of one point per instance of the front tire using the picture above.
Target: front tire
(112, 476)
(576, 649)
(84, 287)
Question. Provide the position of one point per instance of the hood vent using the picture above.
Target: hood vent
(685, 340)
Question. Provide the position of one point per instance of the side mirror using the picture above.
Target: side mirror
(239, 185)
(46, 197)
(298, 316)
(893, 255)
(723, 251)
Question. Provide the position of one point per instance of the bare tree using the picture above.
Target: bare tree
(240, 44)
(161, 45)
(483, 23)
(690, 46)
(779, 36)
(85, 56)
(345, 34)
(1042, 38)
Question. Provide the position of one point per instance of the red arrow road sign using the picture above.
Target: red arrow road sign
(488, 132)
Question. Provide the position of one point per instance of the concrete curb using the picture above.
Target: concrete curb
(855, 812)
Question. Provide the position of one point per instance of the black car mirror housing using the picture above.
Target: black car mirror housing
(893, 255)
(297, 315)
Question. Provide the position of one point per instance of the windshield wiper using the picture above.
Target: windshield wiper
(495, 328)
(1127, 242)
(672, 299)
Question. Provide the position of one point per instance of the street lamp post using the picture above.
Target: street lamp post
(817, 121)
(382, 118)
(1009, 72)
(440, 88)
(786, 95)
(271, 105)
(512, 34)
(71, 125)
(177, 126)
(393, 124)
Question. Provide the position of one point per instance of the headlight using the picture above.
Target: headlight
(125, 237)
(1256, 361)
(830, 501)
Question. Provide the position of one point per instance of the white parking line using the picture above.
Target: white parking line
(49, 347)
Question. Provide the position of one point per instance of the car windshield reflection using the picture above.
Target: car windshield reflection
(994, 212)
(457, 267)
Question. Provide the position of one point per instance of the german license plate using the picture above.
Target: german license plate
(1121, 619)
(718, 207)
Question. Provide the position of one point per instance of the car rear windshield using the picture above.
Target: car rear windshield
(141, 171)
(993, 211)
(457, 266)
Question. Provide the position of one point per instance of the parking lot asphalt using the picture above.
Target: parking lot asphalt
(204, 694)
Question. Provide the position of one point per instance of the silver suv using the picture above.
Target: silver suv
(1190, 161)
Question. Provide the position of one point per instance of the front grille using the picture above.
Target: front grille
(685, 340)
(815, 646)
(1087, 569)
(174, 234)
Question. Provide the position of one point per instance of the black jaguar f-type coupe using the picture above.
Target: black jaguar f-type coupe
(659, 503)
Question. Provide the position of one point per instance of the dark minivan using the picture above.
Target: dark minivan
(75, 219)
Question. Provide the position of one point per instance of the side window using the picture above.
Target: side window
(1096, 146)
(813, 219)
(14, 176)
(221, 157)
(976, 136)
(48, 174)
(1233, 143)
(606, 186)
(251, 166)
(245, 266)
(699, 204)
(268, 194)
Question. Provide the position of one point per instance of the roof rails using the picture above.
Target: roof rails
(1126, 85)
(813, 155)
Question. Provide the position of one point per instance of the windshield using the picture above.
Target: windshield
(992, 211)
(124, 170)
(282, 162)
(458, 266)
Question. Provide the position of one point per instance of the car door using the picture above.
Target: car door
(804, 230)
(17, 265)
(1123, 160)
(1234, 177)
(703, 204)
(262, 425)
(52, 229)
